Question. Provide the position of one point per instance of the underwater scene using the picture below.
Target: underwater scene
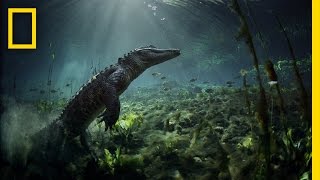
(157, 89)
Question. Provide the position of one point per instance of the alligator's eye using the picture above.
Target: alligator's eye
(155, 50)
(140, 52)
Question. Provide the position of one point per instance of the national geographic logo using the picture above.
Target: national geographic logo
(11, 13)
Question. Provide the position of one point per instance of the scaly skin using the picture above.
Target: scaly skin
(102, 93)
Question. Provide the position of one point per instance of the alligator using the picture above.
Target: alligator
(100, 96)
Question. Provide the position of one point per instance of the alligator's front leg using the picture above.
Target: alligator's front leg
(111, 114)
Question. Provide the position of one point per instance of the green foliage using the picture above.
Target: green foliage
(133, 161)
(110, 160)
(125, 126)
(129, 121)
(184, 93)
(284, 70)
(113, 162)
(298, 152)
(305, 176)
(284, 67)
(165, 144)
(44, 106)
(247, 142)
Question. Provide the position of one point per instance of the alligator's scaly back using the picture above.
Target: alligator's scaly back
(102, 93)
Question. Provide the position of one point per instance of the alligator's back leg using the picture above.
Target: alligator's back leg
(85, 139)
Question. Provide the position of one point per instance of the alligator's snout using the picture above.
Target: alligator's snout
(171, 53)
(176, 52)
(162, 55)
(151, 55)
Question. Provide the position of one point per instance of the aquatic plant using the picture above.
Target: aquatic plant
(274, 78)
(129, 121)
(110, 160)
(283, 67)
(246, 142)
(45, 106)
(303, 93)
(116, 163)
(211, 136)
(259, 35)
(125, 126)
(286, 136)
(244, 73)
(50, 70)
(261, 112)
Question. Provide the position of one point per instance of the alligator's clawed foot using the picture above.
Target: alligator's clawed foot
(106, 122)
(107, 119)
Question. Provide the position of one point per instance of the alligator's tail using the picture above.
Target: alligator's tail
(48, 143)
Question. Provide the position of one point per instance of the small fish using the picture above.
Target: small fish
(33, 89)
(162, 19)
(206, 82)
(272, 83)
(156, 74)
(165, 83)
(42, 91)
(166, 89)
(163, 77)
(193, 80)
(230, 82)
(67, 85)
(53, 91)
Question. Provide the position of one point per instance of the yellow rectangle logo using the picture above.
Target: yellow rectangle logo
(33, 12)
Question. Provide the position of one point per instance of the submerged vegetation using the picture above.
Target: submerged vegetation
(186, 134)
(255, 128)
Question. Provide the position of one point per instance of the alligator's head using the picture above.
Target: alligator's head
(150, 55)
